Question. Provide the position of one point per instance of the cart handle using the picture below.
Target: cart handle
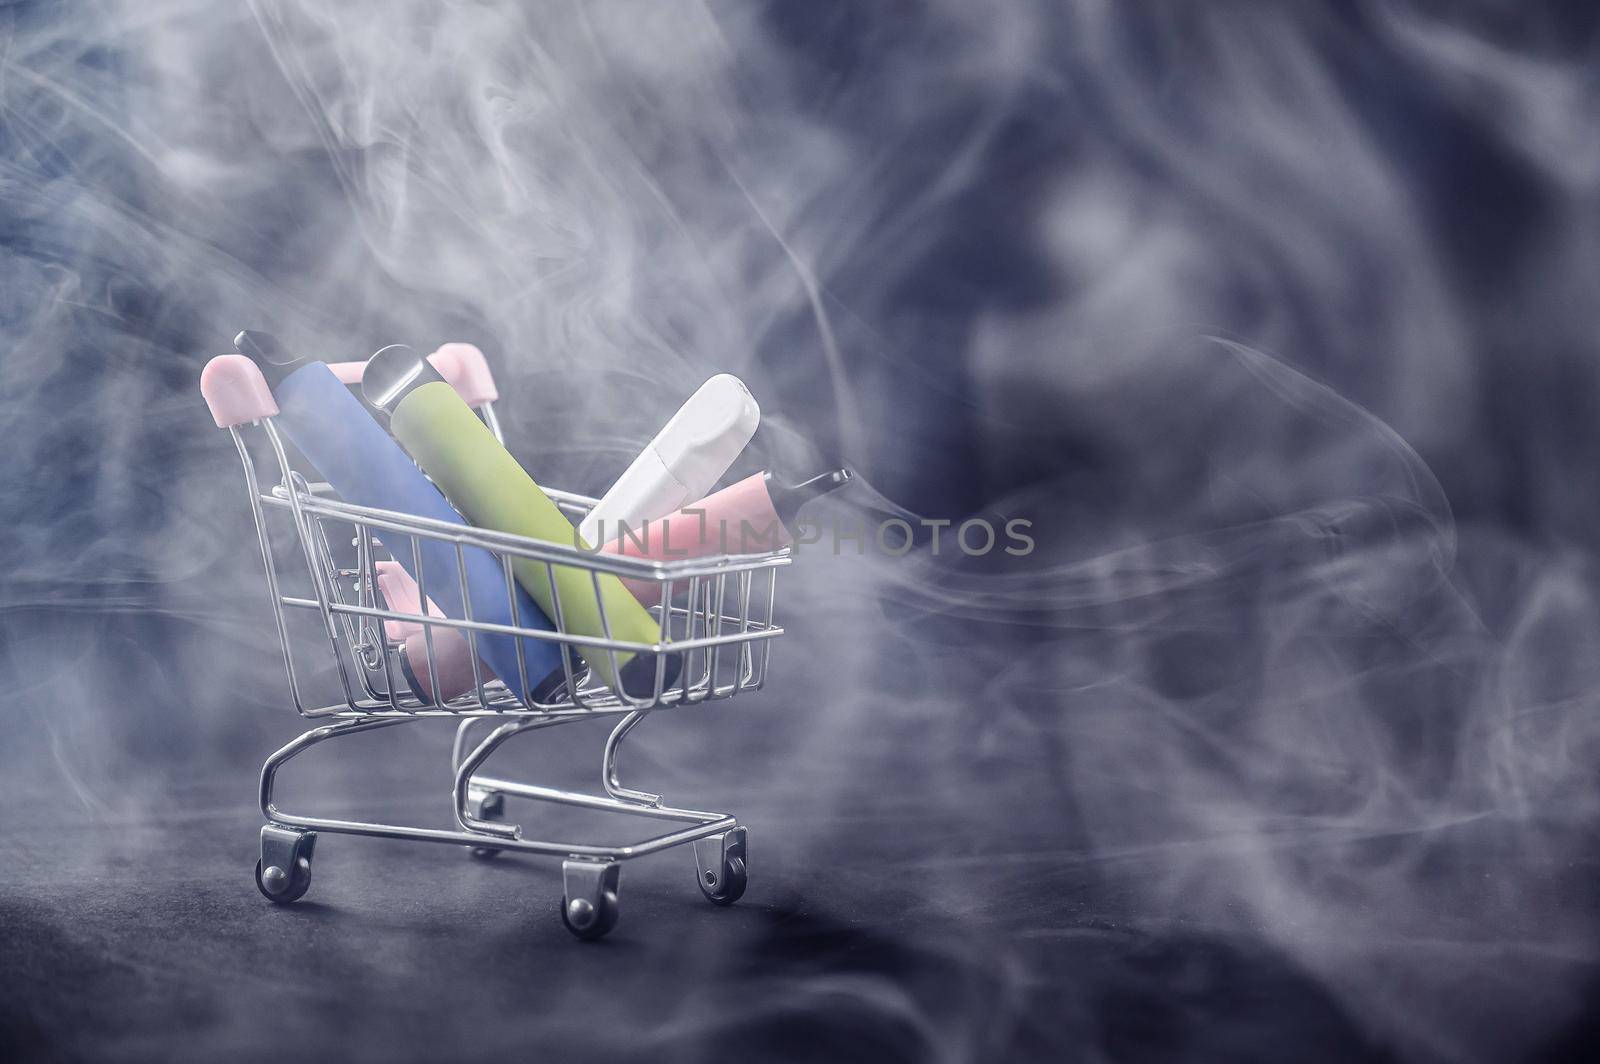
(237, 393)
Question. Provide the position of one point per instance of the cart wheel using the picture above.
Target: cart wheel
(720, 861)
(283, 874)
(284, 888)
(486, 805)
(588, 921)
(731, 887)
(589, 903)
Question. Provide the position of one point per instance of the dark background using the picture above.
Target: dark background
(1278, 322)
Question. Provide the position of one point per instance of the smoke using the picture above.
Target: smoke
(1302, 660)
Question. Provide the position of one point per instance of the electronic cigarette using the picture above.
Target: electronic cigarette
(399, 592)
(480, 477)
(683, 463)
(351, 451)
(451, 653)
(452, 660)
(756, 514)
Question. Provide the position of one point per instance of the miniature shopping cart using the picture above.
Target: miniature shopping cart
(322, 558)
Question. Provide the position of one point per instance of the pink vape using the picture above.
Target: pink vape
(751, 517)
(451, 652)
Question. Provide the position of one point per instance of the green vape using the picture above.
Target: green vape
(493, 491)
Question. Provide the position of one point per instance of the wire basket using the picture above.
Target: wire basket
(324, 560)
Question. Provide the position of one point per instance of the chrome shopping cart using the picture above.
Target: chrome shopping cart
(715, 613)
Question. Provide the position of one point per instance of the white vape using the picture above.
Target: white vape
(684, 461)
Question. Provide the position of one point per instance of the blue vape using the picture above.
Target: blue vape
(364, 464)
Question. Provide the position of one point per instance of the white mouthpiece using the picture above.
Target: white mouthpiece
(683, 463)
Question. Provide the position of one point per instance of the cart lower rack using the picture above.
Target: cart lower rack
(322, 559)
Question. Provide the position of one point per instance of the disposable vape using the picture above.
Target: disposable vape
(452, 659)
(399, 593)
(367, 468)
(683, 463)
(756, 514)
(463, 457)
(451, 653)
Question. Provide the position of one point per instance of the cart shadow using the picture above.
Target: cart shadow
(314, 910)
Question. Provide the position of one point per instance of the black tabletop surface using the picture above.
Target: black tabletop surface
(908, 900)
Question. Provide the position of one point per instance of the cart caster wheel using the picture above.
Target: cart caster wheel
(589, 905)
(486, 805)
(731, 887)
(588, 921)
(284, 888)
(283, 875)
(720, 861)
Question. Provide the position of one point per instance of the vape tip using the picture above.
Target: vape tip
(787, 499)
(392, 373)
(823, 483)
(261, 346)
